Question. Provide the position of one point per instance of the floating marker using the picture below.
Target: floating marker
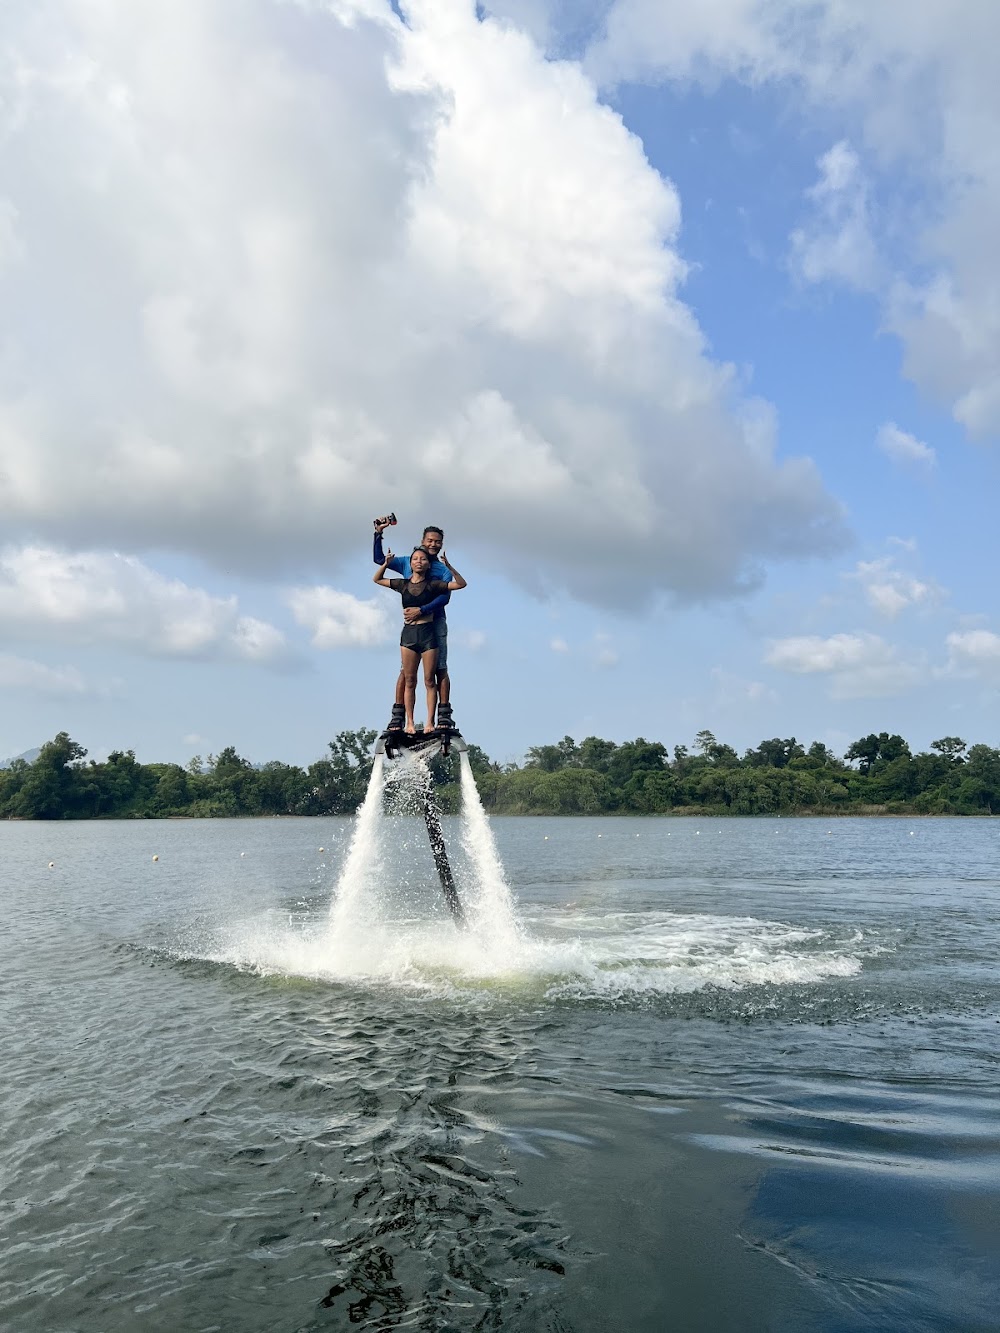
(156, 858)
(242, 853)
(52, 865)
(322, 849)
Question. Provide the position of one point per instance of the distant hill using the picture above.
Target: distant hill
(29, 756)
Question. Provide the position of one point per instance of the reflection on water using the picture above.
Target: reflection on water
(730, 1075)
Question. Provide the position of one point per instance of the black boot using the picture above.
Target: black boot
(445, 720)
(397, 719)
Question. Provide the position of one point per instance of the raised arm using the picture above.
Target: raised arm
(379, 576)
(457, 582)
(390, 561)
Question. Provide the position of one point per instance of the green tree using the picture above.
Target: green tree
(351, 766)
(48, 789)
(723, 756)
(775, 753)
(872, 749)
(551, 758)
(950, 746)
(596, 754)
(172, 790)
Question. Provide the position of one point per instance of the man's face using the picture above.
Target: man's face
(433, 541)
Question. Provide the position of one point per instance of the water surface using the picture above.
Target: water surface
(718, 1075)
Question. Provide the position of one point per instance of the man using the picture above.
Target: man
(432, 541)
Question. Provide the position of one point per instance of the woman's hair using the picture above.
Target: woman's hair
(423, 551)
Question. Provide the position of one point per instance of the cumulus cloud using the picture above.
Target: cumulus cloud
(559, 645)
(859, 666)
(106, 598)
(837, 243)
(21, 673)
(733, 691)
(419, 266)
(903, 448)
(974, 653)
(914, 82)
(603, 653)
(890, 590)
(336, 619)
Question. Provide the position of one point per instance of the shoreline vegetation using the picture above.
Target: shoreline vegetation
(878, 775)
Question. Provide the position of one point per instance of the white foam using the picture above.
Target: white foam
(581, 955)
(387, 925)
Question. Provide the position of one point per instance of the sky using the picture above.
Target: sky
(682, 321)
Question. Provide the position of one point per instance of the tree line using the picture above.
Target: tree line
(877, 775)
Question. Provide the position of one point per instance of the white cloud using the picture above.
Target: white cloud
(106, 598)
(11, 245)
(474, 639)
(421, 260)
(336, 619)
(559, 645)
(859, 666)
(901, 447)
(890, 591)
(914, 84)
(21, 673)
(837, 243)
(733, 691)
(975, 653)
(603, 652)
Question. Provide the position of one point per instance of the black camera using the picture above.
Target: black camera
(387, 520)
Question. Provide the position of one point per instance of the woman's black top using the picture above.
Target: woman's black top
(418, 594)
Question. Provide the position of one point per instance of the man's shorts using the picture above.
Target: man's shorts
(440, 627)
(421, 638)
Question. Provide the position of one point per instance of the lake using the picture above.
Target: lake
(690, 1074)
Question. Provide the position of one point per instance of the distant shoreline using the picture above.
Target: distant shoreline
(688, 812)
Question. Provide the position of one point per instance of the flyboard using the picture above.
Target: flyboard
(422, 746)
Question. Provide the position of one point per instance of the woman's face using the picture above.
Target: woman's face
(419, 563)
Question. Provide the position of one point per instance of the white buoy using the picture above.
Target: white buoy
(546, 837)
(322, 849)
(242, 853)
(52, 865)
(156, 858)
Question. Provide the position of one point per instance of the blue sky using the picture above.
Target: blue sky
(682, 324)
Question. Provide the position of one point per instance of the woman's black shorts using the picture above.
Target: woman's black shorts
(421, 638)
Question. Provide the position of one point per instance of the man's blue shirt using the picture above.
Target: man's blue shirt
(400, 564)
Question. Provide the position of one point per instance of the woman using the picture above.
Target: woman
(417, 643)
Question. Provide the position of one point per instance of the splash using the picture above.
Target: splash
(357, 889)
(386, 920)
(490, 908)
(388, 924)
